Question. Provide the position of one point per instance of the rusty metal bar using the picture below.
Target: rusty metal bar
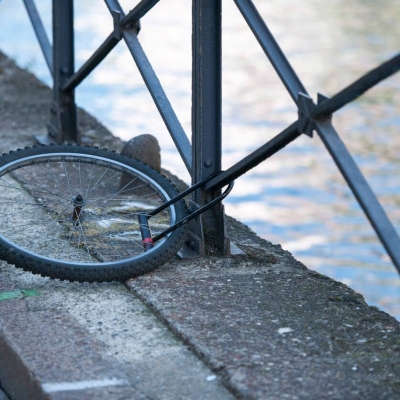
(160, 99)
(138, 12)
(112, 40)
(129, 34)
(363, 193)
(98, 56)
(63, 114)
(256, 157)
(207, 116)
(271, 48)
(357, 88)
(40, 33)
(113, 5)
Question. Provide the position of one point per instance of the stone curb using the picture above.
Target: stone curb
(48, 355)
(3, 396)
(273, 329)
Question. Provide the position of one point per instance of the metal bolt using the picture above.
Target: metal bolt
(208, 163)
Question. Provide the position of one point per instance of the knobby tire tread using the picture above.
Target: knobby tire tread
(126, 268)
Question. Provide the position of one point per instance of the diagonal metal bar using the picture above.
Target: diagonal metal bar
(138, 12)
(98, 56)
(271, 48)
(363, 193)
(101, 53)
(40, 33)
(160, 99)
(358, 87)
(113, 5)
(255, 158)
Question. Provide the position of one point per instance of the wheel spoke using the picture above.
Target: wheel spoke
(66, 209)
(66, 176)
(108, 226)
(99, 180)
(123, 191)
(113, 195)
(45, 189)
(122, 199)
(90, 179)
(48, 171)
(84, 237)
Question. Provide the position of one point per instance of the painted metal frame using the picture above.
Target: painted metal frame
(203, 159)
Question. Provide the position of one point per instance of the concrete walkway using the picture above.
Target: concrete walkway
(261, 326)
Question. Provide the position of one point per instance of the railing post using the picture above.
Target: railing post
(206, 115)
(63, 115)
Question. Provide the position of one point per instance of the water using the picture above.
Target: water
(296, 198)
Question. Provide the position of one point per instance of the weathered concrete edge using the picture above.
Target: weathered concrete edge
(3, 396)
(28, 340)
(178, 330)
(201, 349)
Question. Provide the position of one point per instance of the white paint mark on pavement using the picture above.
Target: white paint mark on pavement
(82, 385)
(281, 331)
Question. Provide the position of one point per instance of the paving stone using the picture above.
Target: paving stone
(3, 396)
(274, 329)
(49, 355)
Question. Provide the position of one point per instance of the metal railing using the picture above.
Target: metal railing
(203, 157)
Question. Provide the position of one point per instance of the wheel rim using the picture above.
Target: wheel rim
(78, 209)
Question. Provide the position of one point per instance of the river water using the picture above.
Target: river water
(297, 198)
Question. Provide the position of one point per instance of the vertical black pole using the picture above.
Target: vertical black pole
(63, 117)
(206, 115)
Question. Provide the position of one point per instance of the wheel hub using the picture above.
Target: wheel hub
(78, 203)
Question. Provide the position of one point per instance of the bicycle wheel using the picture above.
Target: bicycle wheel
(70, 212)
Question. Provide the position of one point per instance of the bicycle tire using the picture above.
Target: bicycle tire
(69, 212)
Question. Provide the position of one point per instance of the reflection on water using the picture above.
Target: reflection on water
(297, 198)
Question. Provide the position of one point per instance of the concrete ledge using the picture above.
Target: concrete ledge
(47, 355)
(274, 329)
